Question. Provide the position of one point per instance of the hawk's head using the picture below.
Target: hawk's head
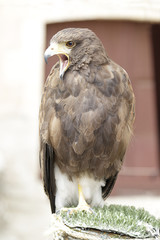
(76, 47)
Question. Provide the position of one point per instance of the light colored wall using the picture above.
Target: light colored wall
(21, 74)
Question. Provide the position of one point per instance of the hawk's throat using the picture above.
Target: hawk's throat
(64, 64)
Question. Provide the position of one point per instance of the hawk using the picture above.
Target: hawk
(85, 121)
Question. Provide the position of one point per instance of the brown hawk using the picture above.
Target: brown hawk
(86, 120)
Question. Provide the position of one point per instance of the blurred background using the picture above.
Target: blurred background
(130, 32)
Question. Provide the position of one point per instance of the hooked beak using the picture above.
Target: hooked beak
(47, 54)
(56, 49)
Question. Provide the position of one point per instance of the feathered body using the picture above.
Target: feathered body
(86, 118)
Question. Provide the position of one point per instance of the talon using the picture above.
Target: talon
(92, 211)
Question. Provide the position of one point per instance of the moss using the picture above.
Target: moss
(123, 220)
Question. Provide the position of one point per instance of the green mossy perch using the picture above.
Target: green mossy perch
(114, 221)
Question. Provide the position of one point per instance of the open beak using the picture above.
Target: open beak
(57, 49)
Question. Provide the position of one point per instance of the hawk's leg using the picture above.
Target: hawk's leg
(82, 204)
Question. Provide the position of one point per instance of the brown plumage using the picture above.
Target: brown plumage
(86, 115)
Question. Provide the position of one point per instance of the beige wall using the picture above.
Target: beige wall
(21, 74)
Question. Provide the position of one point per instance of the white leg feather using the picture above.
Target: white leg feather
(67, 191)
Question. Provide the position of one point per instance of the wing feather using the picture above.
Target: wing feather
(109, 184)
(47, 153)
(47, 159)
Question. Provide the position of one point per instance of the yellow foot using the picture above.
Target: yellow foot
(79, 208)
(84, 207)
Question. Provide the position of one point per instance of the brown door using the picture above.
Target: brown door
(130, 45)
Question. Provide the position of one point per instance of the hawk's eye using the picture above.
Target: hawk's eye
(70, 44)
